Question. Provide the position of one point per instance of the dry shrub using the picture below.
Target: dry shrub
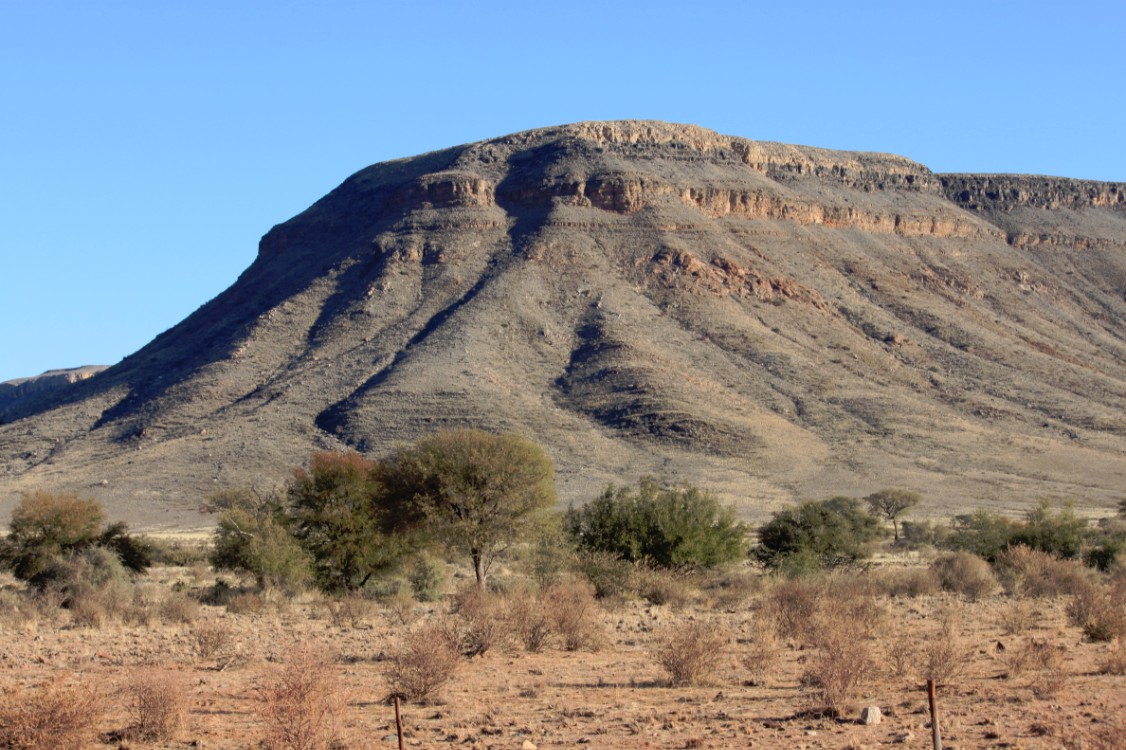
(574, 614)
(902, 651)
(481, 620)
(1107, 735)
(792, 604)
(1024, 571)
(1028, 656)
(50, 717)
(349, 611)
(178, 607)
(730, 589)
(762, 650)
(158, 704)
(1051, 677)
(965, 574)
(663, 588)
(247, 603)
(212, 639)
(691, 651)
(1016, 617)
(907, 582)
(401, 607)
(298, 703)
(528, 620)
(424, 662)
(1115, 661)
(842, 663)
(945, 652)
(1100, 610)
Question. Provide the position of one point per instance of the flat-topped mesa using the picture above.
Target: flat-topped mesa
(1004, 192)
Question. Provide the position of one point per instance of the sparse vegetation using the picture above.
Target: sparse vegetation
(691, 652)
(891, 503)
(427, 659)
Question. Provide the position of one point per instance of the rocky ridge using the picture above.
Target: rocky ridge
(773, 321)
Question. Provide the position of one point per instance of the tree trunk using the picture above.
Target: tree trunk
(895, 527)
(478, 566)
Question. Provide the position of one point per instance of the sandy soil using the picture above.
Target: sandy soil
(616, 697)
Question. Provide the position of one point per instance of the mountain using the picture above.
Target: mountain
(772, 321)
(17, 393)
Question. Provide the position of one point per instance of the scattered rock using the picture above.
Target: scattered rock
(871, 715)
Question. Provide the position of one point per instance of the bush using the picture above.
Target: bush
(574, 615)
(945, 653)
(1024, 571)
(298, 703)
(481, 620)
(1059, 532)
(683, 527)
(612, 577)
(53, 716)
(965, 574)
(426, 660)
(842, 662)
(692, 651)
(158, 703)
(92, 583)
(1100, 610)
(45, 526)
(982, 533)
(252, 537)
(817, 535)
(350, 610)
(427, 577)
(762, 650)
(528, 620)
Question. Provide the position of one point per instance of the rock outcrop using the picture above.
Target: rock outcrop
(772, 321)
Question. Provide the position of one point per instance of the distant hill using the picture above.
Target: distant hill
(772, 321)
(20, 392)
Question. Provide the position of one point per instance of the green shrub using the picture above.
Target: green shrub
(427, 577)
(982, 533)
(47, 525)
(252, 537)
(683, 527)
(1058, 531)
(818, 535)
(611, 577)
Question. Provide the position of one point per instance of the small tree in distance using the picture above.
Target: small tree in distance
(892, 503)
(472, 489)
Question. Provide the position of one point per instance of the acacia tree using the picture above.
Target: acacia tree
(472, 489)
(335, 514)
(891, 503)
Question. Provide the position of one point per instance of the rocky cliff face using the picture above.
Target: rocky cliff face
(20, 392)
(772, 321)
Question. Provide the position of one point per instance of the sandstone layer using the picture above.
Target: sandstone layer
(771, 321)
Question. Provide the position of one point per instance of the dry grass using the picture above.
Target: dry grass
(763, 650)
(424, 662)
(350, 611)
(158, 704)
(481, 620)
(692, 651)
(1114, 663)
(1016, 617)
(298, 703)
(945, 653)
(1031, 572)
(213, 639)
(51, 717)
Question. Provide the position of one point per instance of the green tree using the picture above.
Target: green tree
(668, 527)
(335, 513)
(816, 534)
(252, 536)
(891, 503)
(46, 525)
(472, 489)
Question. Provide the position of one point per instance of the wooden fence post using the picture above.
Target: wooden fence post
(932, 699)
(399, 722)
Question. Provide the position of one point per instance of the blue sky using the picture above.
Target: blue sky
(145, 147)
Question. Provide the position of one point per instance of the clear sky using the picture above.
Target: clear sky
(146, 146)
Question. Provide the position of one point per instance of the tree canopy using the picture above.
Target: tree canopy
(825, 533)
